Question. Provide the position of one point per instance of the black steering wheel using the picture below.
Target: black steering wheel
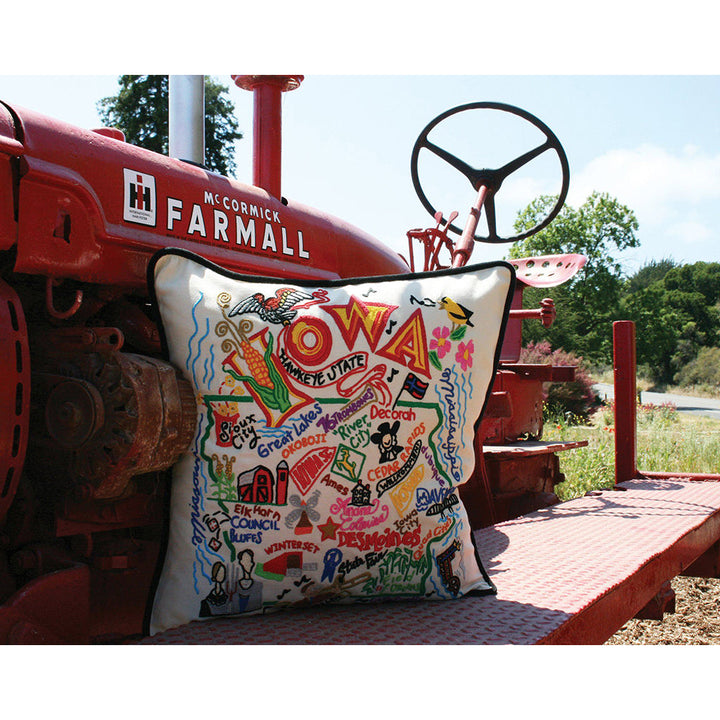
(492, 179)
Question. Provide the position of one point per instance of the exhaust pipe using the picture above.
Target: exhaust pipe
(186, 118)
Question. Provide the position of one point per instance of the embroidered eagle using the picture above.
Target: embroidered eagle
(277, 310)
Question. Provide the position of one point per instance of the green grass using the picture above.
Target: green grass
(667, 442)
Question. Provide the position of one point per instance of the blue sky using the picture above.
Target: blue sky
(650, 140)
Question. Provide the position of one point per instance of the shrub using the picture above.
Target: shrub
(703, 370)
(574, 402)
(648, 415)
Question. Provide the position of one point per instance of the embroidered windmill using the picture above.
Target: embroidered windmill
(304, 514)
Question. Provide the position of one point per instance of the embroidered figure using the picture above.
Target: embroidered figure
(386, 439)
(249, 596)
(216, 602)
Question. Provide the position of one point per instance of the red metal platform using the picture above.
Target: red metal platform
(572, 573)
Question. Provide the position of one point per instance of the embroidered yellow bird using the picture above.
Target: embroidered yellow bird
(458, 314)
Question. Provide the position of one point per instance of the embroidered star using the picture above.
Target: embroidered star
(328, 530)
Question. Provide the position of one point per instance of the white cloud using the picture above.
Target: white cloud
(690, 232)
(675, 197)
(661, 187)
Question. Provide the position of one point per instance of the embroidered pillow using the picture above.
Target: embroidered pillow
(335, 423)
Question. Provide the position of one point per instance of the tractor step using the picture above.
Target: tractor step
(510, 451)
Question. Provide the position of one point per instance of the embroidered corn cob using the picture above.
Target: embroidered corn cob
(264, 379)
(256, 364)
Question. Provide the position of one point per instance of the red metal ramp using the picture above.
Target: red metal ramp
(572, 573)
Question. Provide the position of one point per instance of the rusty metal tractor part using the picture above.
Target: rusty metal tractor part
(14, 394)
(114, 415)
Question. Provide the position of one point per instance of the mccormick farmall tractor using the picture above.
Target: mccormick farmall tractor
(91, 416)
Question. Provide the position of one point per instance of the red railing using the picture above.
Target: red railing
(625, 369)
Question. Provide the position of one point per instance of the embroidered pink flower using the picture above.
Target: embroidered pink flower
(440, 341)
(464, 354)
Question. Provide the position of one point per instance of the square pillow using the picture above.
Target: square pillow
(335, 424)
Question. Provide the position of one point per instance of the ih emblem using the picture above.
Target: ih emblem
(140, 204)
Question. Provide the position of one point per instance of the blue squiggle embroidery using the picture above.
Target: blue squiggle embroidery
(276, 432)
(443, 428)
(212, 364)
(462, 384)
(195, 332)
(206, 364)
(199, 353)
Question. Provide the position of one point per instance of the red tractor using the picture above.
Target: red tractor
(91, 416)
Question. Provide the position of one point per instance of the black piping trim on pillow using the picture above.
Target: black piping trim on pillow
(492, 590)
(319, 283)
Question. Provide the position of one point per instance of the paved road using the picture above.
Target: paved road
(684, 403)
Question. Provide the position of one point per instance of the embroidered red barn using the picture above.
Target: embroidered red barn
(259, 485)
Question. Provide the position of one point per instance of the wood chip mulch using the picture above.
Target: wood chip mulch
(696, 620)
